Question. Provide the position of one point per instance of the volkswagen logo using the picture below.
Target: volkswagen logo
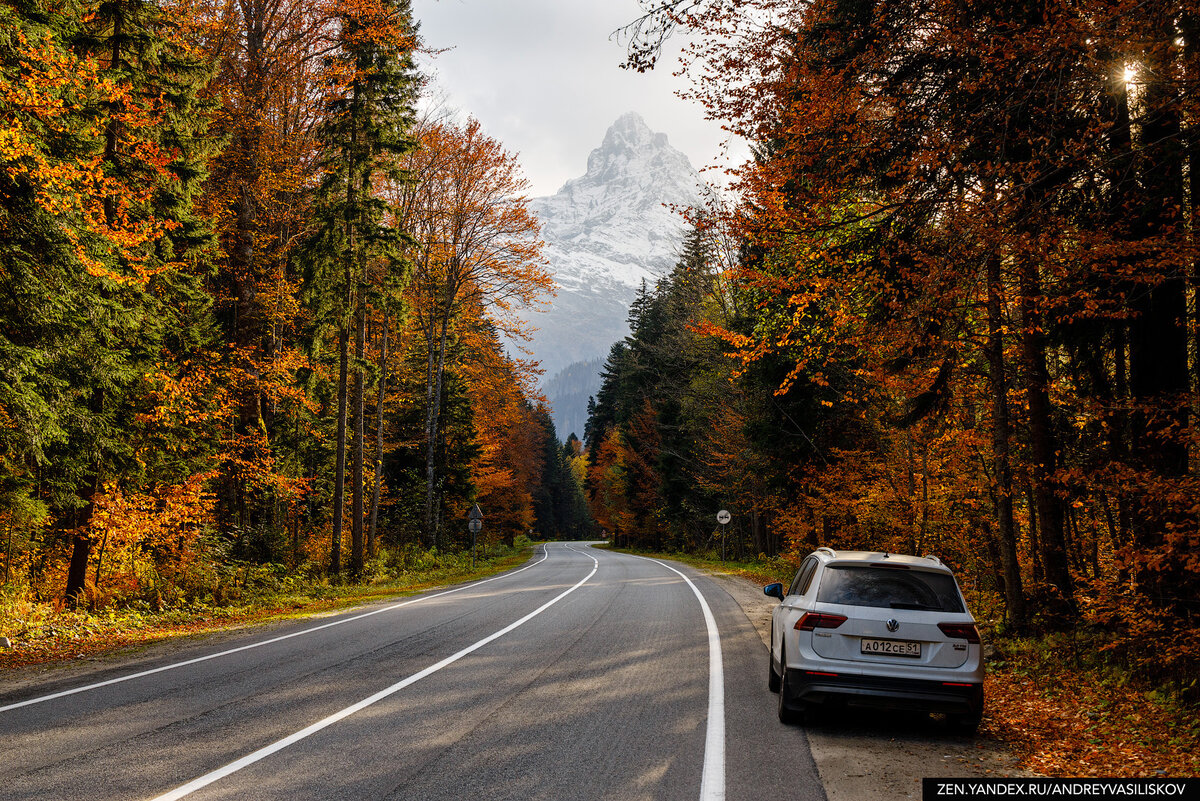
(892, 624)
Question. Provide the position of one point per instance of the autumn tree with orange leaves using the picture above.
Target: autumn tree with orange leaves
(268, 95)
(965, 273)
(510, 465)
(105, 146)
(194, 202)
(475, 247)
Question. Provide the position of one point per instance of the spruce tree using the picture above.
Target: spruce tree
(99, 248)
(368, 118)
(153, 288)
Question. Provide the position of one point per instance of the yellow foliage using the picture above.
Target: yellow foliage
(143, 538)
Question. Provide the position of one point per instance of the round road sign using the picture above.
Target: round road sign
(723, 517)
(476, 526)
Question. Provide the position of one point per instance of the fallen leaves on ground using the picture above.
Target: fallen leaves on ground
(1068, 722)
(78, 635)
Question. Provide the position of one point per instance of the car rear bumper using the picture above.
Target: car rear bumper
(808, 688)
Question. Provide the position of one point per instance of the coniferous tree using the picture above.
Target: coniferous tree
(128, 160)
(559, 502)
(46, 290)
(369, 115)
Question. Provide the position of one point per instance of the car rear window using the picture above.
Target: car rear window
(890, 588)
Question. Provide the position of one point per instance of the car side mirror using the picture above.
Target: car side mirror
(774, 590)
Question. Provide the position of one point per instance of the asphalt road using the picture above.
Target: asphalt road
(585, 674)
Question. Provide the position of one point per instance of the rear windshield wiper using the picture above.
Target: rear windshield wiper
(924, 607)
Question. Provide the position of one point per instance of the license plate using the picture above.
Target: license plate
(891, 647)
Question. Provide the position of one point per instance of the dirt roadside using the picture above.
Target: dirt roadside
(861, 756)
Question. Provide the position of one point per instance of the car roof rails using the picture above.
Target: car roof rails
(933, 558)
(828, 550)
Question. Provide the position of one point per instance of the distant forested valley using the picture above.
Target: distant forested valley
(568, 393)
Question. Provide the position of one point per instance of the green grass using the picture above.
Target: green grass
(44, 632)
(760, 571)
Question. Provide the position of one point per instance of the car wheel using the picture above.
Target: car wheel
(787, 715)
(773, 680)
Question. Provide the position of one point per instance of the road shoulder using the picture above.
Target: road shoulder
(863, 755)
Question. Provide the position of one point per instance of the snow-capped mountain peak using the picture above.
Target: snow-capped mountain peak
(606, 233)
(628, 143)
(616, 222)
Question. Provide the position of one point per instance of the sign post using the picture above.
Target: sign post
(723, 517)
(475, 524)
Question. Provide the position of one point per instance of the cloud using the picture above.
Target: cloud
(544, 77)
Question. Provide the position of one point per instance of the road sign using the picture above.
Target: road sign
(723, 517)
(475, 524)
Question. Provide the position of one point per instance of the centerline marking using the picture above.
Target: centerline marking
(197, 660)
(279, 745)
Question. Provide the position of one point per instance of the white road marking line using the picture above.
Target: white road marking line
(174, 665)
(712, 780)
(279, 745)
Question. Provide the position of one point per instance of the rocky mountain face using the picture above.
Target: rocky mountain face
(606, 233)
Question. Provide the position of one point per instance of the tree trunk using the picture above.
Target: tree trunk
(1189, 24)
(1014, 592)
(81, 551)
(910, 488)
(1041, 435)
(294, 531)
(8, 556)
(433, 411)
(923, 530)
(349, 257)
(356, 493)
(100, 562)
(377, 462)
(238, 316)
(1159, 380)
(339, 470)
(1035, 542)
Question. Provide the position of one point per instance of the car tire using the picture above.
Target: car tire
(773, 680)
(787, 715)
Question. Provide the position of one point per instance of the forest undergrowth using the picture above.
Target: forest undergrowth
(42, 632)
(1060, 701)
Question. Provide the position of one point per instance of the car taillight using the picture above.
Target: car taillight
(817, 620)
(960, 631)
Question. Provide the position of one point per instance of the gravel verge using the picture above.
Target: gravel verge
(876, 754)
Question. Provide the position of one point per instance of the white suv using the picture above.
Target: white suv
(875, 629)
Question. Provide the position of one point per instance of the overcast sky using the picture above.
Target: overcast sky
(544, 78)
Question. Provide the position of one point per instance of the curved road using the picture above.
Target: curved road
(585, 674)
